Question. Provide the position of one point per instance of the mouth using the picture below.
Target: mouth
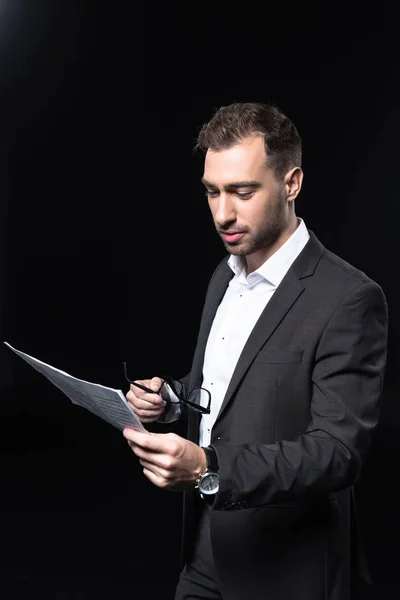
(232, 237)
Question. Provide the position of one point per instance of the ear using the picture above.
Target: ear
(292, 182)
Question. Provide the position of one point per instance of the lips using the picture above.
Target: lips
(232, 236)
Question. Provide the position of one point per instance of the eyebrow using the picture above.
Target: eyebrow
(234, 185)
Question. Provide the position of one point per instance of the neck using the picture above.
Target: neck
(254, 261)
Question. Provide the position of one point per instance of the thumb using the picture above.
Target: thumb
(156, 384)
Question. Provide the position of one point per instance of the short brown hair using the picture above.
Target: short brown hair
(233, 123)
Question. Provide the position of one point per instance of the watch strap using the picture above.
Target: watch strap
(212, 459)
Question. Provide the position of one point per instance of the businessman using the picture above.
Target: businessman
(285, 387)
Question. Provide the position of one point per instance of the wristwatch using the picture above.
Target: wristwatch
(208, 482)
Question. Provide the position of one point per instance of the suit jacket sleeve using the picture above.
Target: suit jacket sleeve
(347, 382)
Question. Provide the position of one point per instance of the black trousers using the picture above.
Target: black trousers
(198, 579)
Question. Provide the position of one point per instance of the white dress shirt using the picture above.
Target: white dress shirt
(238, 312)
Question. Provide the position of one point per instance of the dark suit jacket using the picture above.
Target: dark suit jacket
(293, 431)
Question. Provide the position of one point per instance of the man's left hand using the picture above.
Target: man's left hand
(169, 461)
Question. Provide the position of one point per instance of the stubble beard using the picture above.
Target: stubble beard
(266, 236)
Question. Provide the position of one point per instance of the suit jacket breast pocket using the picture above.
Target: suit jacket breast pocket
(279, 356)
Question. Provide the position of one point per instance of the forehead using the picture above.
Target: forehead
(246, 160)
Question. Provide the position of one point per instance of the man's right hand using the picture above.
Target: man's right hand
(146, 406)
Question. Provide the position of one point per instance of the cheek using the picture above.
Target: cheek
(265, 213)
(251, 216)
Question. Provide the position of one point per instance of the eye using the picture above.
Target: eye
(211, 193)
(245, 195)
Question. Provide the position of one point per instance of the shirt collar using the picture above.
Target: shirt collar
(276, 266)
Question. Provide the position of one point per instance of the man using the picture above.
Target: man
(292, 348)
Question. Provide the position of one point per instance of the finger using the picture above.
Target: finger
(151, 442)
(141, 453)
(148, 419)
(156, 479)
(145, 399)
(153, 413)
(130, 435)
(158, 460)
(156, 470)
(153, 462)
(156, 383)
(150, 406)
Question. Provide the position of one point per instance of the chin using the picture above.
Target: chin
(236, 250)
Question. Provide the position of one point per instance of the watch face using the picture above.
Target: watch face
(209, 483)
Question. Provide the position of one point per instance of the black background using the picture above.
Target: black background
(107, 246)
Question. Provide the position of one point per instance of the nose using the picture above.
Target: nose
(225, 210)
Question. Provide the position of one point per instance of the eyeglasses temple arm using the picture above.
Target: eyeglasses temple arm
(139, 385)
(143, 387)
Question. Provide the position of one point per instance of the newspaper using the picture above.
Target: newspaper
(107, 403)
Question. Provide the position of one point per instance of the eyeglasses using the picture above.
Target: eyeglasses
(198, 399)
